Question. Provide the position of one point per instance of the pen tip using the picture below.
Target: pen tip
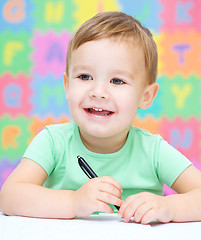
(78, 156)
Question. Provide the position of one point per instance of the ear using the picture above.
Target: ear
(150, 93)
(66, 84)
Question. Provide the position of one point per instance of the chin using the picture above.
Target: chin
(98, 132)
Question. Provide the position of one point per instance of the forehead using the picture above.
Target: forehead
(117, 49)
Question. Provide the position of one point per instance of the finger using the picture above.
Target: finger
(128, 213)
(109, 198)
(133, 200)
(112, 181)
(111, 189)
(148, 217)
(104, 207)
(141, 211)
(132, 208)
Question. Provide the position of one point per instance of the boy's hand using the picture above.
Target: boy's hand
(95, 194)
(146, 207)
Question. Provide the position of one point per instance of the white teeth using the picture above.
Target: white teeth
(97, 109)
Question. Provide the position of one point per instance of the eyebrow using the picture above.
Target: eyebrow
(82, 67)
(122, 72)
(115, 72)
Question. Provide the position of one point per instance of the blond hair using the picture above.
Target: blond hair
(117, 24)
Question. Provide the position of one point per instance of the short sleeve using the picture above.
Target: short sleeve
(41, 151)
(170, 163)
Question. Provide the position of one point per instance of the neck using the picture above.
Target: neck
(103, 145)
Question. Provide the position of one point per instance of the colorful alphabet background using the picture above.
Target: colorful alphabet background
(34, 36)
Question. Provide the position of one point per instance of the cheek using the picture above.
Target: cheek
(72, 100)
(73, 108)
(73, 91)
(75, 97)
(129, 104)
(128, 100)
(76, 88)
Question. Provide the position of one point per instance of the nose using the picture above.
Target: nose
(99, 91)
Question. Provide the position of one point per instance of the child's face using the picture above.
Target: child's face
(105, 87)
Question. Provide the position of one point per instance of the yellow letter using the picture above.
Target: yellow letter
(54, 12)
(181, 94)
(10, 50)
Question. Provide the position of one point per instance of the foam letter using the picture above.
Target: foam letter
(177, 141)
(9, 136)
(181, 94)
(182, 11)
(55, 51)
(14, 11)
(181, 49)
(12, 95)
(50, 93)
(54, 11)
(10, 50)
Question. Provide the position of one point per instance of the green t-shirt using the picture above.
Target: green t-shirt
(145, 163)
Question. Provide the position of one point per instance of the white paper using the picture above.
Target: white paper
(96, 227)
(175, 231)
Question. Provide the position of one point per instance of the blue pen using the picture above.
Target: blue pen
(88, 171)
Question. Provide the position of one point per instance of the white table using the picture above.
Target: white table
(96, 227)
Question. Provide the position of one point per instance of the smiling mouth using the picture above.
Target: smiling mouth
(99, 111)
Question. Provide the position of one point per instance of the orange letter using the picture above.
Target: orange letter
(9, 136)
(13, 11)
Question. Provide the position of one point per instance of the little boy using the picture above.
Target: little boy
(110, 73)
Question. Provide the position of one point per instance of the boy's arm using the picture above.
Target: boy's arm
(23, 194)
(187, 204)
(182, 207)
